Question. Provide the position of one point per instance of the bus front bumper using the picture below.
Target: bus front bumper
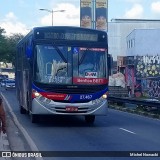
(99, 107)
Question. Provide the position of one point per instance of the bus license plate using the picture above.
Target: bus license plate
(71, 109)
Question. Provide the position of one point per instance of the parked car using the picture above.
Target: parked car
(3, 82)
(3, 77)
(9, 83)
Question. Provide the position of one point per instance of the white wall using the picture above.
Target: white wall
(144, 42)
(118, 30)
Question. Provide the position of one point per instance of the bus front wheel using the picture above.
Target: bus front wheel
(22, 110)
(34, 118)
(90, 119)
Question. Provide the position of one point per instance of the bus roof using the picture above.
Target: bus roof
(66, 27)
(69, 32)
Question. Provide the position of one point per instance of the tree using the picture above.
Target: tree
(3, 44)
(8, 46)
(11, 47)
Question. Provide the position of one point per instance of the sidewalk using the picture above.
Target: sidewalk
(4, 145)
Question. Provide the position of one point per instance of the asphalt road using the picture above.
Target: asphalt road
(119, 131)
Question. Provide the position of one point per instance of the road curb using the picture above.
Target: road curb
(33, 147)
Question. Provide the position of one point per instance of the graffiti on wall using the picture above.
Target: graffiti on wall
(151, 88)
(147, 66)
(154, 89)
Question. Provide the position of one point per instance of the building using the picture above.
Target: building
(119, 29)
(144, 49)
(143, 42)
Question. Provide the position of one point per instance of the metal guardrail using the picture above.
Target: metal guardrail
(117, 91)
(148, 103)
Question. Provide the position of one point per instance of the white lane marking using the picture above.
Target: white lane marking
(26, 135)
(127, 130)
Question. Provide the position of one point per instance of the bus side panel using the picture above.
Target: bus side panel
(18, 87)
(24, 90)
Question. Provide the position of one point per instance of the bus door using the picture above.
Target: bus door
(25, 89)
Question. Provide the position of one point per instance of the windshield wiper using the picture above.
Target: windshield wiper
(83, 56)
(59, 52)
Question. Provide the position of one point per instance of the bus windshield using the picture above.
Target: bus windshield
(63, 64)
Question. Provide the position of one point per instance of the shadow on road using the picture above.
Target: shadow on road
(63, 121)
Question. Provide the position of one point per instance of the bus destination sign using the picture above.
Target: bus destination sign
(68, 36)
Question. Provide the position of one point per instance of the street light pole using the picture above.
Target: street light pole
(52, 17)
(51, 11)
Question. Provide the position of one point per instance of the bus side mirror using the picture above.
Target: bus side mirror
(110, 63)
(29, 52)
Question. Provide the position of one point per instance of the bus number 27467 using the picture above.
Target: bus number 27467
(85, 96)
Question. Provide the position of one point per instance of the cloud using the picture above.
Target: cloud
(135, 12)
(155, 7)
(70, 16)
(10, 16)
(11, 25)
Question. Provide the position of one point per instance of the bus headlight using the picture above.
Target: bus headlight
(104, 96)
(47, 101)
(35, 94)
(42, 98)
(96, 101)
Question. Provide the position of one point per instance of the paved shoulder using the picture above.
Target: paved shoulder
(4, 146)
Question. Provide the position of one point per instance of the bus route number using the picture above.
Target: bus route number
(85, 97)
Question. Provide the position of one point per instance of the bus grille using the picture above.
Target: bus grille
(76, 101)
(78, 90)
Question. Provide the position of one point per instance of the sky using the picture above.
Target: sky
(20, 16)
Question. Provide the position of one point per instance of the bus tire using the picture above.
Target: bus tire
(22, 110)
(90, 119)
(34, 118)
